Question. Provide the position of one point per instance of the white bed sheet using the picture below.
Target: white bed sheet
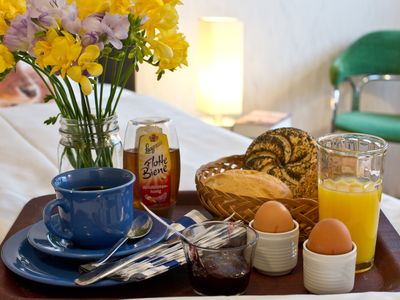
(28, 148)
(28, 155)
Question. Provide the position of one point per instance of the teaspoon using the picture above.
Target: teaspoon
(140, 227)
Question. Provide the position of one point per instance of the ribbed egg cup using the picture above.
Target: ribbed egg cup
(276, 253)
(329, 274)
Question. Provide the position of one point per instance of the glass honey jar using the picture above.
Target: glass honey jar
(151, 152)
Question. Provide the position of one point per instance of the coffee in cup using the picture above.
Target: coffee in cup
(94, 206)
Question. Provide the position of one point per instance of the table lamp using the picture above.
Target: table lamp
(220, 69)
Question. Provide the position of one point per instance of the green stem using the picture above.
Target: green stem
(64, 97)
(125, 79)
(88, 133)
(63, 101)
(54, 91)
(114, 87)
(103, 77)
(89, 110)
(96, 101)
(91, 131)
(113, 83)
(73, 99)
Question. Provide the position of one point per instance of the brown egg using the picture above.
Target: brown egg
(330, 237)
(273, 217)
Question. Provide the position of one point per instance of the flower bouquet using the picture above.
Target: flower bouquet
(78, 41)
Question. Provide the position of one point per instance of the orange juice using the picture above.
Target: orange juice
(355, 203)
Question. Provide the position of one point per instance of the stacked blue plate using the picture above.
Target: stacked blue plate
(35, 254)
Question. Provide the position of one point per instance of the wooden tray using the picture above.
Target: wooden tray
(384, 276)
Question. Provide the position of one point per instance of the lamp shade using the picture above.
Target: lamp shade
(220, 66)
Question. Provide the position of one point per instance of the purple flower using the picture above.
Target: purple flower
(40, 10)
(40, 7)
(101, 30)
(20, 35)
(53, 13)
(91, 38)
(70, 20)
(46, 20)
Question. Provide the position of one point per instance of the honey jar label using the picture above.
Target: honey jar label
(154, 169)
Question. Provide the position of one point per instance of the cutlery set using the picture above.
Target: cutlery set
(153, 260)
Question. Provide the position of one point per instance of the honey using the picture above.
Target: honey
(155, 167)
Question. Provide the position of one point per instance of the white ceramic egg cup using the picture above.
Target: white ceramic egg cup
(276, 253)
(329, 274)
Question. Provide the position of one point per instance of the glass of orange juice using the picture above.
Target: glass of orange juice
(350, 174)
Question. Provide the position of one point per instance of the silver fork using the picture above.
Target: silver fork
(108, 269)
(153, 263)
(154, 260)
(142, 273)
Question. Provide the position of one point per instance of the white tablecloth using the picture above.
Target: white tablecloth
(352, 296)
(28, 158)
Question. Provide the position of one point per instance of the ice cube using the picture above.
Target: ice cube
(369, 186)
(356, 187)
(329, 184)
(342, 186)
(350, 180)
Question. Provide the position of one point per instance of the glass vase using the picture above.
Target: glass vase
(93, 143)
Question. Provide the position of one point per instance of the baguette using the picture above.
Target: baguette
(249, 183)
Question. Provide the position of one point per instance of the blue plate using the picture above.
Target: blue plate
(40, 238)
(21, 258)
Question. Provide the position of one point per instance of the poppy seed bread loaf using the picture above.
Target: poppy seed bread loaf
(285, 153)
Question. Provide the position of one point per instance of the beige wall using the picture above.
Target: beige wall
(289, 45)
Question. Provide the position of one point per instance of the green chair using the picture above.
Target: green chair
(375, 56)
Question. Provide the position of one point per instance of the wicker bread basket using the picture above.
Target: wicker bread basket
(222, 205)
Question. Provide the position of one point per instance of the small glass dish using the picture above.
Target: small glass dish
(219, 256)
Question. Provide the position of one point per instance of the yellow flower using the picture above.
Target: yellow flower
(86, 63)
(170, 49)
(88, 7)
(57, 51)
(8, 11)
(158, 15)
(121, 7)
(172, 2)
(142, 7)
(164, 18)
(6, 59)
(3, 25)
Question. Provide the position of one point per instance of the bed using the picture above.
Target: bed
(28, 151)
(28, 148)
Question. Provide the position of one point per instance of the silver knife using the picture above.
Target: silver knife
(106, 270)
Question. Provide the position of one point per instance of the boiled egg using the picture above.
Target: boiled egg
(330, 237)
(273, 217)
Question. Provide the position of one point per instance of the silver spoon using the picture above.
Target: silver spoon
(140, 227)
(165, 223)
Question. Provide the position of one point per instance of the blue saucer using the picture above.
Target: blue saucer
(21, 258)
(40, 238)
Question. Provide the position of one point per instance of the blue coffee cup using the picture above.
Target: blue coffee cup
(94, 206)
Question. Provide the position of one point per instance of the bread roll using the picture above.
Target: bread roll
(308, 185)
(249, 183)
(285, 153)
